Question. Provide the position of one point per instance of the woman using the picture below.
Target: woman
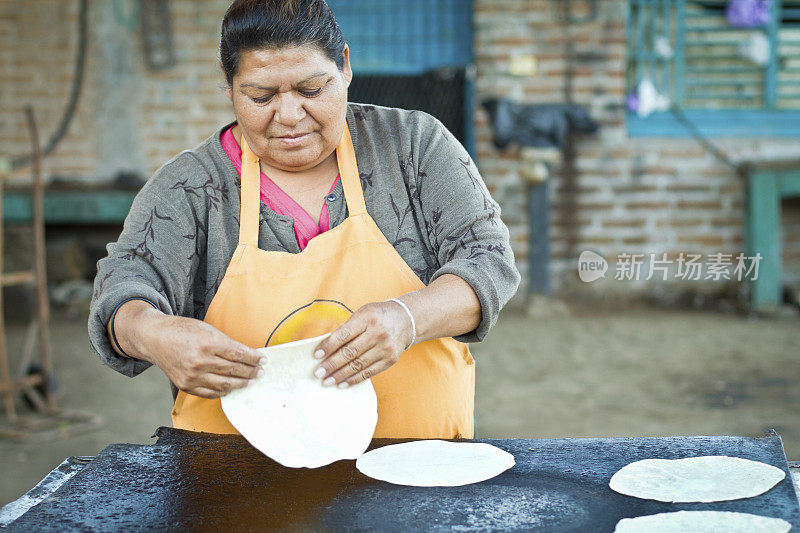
(372, 223)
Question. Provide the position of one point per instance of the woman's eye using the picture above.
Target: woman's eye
(306, 93)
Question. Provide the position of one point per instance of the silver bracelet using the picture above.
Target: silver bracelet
(413, 323)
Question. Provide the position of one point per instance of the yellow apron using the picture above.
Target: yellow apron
(268, 298)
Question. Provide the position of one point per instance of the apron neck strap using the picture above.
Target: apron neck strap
(250, 198)
(251, 186)
(348, 170)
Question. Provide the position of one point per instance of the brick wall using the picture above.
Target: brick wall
(628, 195)
(129, 118)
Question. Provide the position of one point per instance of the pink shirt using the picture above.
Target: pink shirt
(273, 197)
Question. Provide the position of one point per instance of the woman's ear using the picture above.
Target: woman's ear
(347, 72)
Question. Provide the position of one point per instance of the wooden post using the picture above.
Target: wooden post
(536, 174)
(764, 237)
(6, 388)
(40, 266)
(767, 183)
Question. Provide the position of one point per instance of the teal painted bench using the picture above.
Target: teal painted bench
(767, 183)
(70, 205)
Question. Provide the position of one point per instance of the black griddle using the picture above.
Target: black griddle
(204, 482)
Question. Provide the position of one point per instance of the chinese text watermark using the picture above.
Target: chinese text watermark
(686, 266)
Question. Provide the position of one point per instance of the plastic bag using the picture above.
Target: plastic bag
(748, 13)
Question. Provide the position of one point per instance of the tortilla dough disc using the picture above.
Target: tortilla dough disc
(292, 418)
(712, 478)
(435, 463)
(705, 521)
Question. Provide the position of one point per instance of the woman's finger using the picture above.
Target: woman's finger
(222, 384)
(355, 367)
(223, 367)
(239, 353)
(368, 373)
(345, 333)
(348, 356)
(204, 392)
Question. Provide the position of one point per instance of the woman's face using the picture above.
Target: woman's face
(290, 104)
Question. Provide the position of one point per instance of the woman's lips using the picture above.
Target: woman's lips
(293, 140)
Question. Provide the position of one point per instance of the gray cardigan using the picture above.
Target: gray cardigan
(420, 186)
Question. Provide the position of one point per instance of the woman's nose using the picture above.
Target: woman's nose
(290, 109)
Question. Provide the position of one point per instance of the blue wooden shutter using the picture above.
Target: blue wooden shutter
(788, 57)
(707, 70)
(406, 36)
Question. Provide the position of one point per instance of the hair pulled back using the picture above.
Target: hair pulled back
(272, 24)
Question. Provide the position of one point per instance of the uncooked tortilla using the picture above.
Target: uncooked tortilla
(291, 417)
(435, 463)
(705, 521)
(713, 478)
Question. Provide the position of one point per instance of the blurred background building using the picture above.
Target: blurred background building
(152, 87)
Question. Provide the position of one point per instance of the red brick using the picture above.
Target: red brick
(513, 41)
(647, 205)
(732, 188)
(619, 153)
(704, 204)
(680, 223)
(682, 152)
(634, 188)
(624, 223)
(635, 240)
(679, 187)
(715, 172)
(705, 240)
(728, 221)
(559, 205)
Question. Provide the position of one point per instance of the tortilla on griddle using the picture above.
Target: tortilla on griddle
(712, 478)
(705, 521)
(435, 463)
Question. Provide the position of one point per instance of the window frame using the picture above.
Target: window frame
(767, 121)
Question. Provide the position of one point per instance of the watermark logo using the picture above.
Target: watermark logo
(686, 267)
(591, 266)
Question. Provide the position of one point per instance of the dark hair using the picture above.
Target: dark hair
(259, 24)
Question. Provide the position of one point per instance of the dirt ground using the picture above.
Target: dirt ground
(595, 373)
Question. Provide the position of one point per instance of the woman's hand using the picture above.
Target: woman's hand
(368, 343)
(375, 336)
(195, 356)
